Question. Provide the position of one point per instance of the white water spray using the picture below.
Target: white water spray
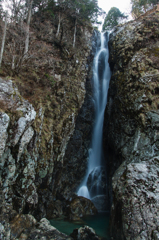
(101, 78)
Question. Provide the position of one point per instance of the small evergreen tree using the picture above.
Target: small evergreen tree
(113, 18)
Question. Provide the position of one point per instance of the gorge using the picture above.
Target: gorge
(94, 184)
(46, 126)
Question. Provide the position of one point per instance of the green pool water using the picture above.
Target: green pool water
(99, 223)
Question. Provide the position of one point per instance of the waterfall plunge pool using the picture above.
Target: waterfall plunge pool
(99, 222)
(101, 78)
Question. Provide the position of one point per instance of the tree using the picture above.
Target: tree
(1, 9)
(79, 10)
(87, 9)
(113, 18)
(30, 2)
(3, 39)
(61, 5)
(84, 10)
(141, 6)
(16, 9)
(41, 5)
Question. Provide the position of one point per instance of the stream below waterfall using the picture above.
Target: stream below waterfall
(99, 223)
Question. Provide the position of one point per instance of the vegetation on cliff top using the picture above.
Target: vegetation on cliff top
(112, 18)
(51, 74)
(115, 16)
(141, 6)
(20, 16)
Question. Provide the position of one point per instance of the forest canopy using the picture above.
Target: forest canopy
(141, 6)
(83, 9)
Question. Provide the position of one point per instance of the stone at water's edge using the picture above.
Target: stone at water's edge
(84, 233)
(79, 207)
(24, 228)
(131, 131)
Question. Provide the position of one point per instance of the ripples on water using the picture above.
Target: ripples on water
(99, 223)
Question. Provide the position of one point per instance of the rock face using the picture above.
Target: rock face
(75, 161)
(132, 128)
(137, 193)
(38, 110)
(25, 227)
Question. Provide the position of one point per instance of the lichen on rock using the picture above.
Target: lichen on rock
(131, 128)
(39, 104)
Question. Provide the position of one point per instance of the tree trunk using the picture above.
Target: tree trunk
(13, 62)
(27, 28)
(58, 29)
(74, 37)
(3, 40)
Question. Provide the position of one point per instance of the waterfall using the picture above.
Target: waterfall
(101, 77)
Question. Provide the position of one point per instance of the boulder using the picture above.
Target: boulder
(101, 202)
(80, 207)
(44, 230)
(84, 233)
(20, 223)
(54, 209)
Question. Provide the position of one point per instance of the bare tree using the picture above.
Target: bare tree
(16, 9)
(59, 23)
(62, 6)
(74, 35)
(3, 39)
(27, 27)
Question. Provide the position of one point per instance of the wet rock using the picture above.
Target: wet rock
(97, 183)
(77, 149)
(84, 233)
(44, 230)
(101, 202)
(21, 223)
(80, 207)
(55, 209)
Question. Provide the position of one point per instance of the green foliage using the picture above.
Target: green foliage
(84, 9)
(51, 79)
(1, 9)
(141, 6)
(78, 9)
(113, 18)
(89, 10)
(41, 5)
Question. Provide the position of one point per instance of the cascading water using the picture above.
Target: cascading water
(101, 77)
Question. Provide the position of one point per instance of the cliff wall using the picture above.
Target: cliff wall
(131, 130)
(40, 99)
